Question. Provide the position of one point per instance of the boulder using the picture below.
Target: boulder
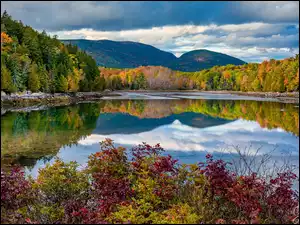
(106, 91)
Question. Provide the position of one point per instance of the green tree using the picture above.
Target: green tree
(256, 85)
(6, 80)
(99, 84)
(44, 79)
(61, 84)
(33, 78)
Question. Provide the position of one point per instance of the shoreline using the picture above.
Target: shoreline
(257, 94)
(37, 101)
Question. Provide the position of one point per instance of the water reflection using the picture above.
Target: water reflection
(187, 129)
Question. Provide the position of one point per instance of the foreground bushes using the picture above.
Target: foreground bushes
(150, 188)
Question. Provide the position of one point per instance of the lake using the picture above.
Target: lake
(187, 129)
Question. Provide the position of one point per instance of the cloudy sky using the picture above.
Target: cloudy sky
(190, 144)
(251, 31)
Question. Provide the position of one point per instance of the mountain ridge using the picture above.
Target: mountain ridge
(130, 54)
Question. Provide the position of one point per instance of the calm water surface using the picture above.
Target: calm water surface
(187, 129)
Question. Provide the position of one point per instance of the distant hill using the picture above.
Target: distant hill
(203, 59)
(127, 54)
(123, 54)
(123, 122)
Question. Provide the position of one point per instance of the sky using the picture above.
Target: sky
(252, 31)
(190, 144)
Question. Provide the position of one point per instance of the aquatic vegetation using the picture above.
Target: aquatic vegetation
(149, 188)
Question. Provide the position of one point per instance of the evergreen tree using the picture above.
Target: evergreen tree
(33, 78)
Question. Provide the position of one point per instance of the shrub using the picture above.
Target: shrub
(15, 194)
(62, 181)
(56, 185)
(150, 188)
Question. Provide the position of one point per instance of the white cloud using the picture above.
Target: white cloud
(251, 42)
(180, 137)
(189, 144)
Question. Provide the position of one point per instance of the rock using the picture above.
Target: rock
(106, 91)
(3, 111)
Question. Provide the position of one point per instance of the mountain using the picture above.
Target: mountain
(203, 59)
(123, 123)
(127, 54)
(123, 54)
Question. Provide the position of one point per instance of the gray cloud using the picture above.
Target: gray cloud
(115, 15)
(252, 42)
(252, 31)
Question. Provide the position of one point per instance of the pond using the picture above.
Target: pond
(187, 129)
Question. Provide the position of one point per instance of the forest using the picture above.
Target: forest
(268, 76)
(36, 62)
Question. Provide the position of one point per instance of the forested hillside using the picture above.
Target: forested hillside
(203, 59)
(123, 54)
(269, 76)
(128, 54)
(34, 61)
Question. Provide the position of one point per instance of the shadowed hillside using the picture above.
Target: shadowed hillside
(127, 54)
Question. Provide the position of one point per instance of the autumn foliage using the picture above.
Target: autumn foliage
(149, 187)
(268, 76)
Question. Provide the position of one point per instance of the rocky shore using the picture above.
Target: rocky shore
(286, 97)
(36, 101)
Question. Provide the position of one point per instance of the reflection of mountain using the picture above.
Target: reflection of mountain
(29, 136)
(268, 114)
(180, 137)
(128, 124)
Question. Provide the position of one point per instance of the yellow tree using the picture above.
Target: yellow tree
(73, 80)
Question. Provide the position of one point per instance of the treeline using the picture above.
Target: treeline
(145, 77)
(34, 61)
(118, 79)
(269, 76)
